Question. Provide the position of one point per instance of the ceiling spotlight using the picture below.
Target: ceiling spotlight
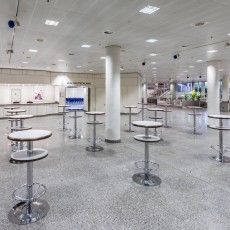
(227, 44)
(187, 77)
(200, 76)
(13, 23)
(176, 56)
(9, 51)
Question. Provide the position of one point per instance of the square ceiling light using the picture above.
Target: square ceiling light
(86, 46)
(151, 40)
(149, 10)
(153, 54)
(51, 23)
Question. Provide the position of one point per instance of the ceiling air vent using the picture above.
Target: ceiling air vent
(198, 24)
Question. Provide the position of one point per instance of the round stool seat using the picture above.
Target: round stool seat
(94, 122)
(158, 118)
(18, 128)
(22, 155)
(147, 124)
(14, 119)
(149, 138)
(73, 116)
(155, 109)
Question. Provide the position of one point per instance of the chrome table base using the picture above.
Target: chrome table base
(19, 213)
(95, 148)
(146, 179)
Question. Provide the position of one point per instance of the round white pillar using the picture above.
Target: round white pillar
(213, 78)
(225, 88)
(144, 92)
(112, 90)
(173, 90)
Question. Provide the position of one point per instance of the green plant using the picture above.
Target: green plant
(193, 95)
(185, 96)
(199, 96)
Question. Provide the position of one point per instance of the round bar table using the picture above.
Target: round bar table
(166, 111)
(142, 110)
(194, 114)
(94, 139)
(155, 118)
(63, 115)
(21, 127)
(31, 208)
(220, 148)
(130, 107)
(146, 178)
(15, 112)
(75, 116)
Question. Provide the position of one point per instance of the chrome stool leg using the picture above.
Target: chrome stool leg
(146, 178)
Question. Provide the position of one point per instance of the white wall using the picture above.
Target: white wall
(54, 84)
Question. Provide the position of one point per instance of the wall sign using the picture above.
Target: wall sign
(38, 95)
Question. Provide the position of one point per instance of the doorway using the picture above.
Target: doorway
(16, 95)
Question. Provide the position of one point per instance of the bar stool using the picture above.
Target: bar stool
(194, 114)
(76, 132)
(94, 140)
(30, 208)
(64, 124)
(142, 110)
(11, 108)
(130, 107)
(146, 178)
(15, 112)
(20, 127)
(155, 118)
(166, 111)
(220, 148)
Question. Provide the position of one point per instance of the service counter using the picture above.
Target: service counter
(36, 109)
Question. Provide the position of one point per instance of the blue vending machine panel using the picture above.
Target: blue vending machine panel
(75, 102)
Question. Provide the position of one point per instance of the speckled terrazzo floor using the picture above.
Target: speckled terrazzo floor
(92, 191)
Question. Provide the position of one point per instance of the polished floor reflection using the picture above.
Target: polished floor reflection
(94, 190)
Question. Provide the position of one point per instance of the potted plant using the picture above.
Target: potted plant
(185, 96)
(193, 95)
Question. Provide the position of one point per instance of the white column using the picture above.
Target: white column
(144, 92)
(225, 88)
(213, 78)
(112, 90)
(173, 90)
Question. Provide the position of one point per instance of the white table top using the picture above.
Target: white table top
(10, 107)
(95, 113)
(16, 111)
(219, 116)
(147, 124)
(63, 105)
(75, 109)
(130, 106)
(25, 116)
(154, 109)
(29, 135)
(194, 107)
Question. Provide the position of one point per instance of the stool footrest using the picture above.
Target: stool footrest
(94, 122)
(38, 191)
(151, 165)
(94, 140)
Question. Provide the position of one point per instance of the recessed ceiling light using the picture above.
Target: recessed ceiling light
(153, 54)
(108, 32)
(198, 24)
(221, 70)
(79, 66)
(154, 68)
(191, 66)
(154, 63)
(199, 61)
(151, 40)
(25, 62)
(212, 51)
(39, 40)
(61, 60)
(32, 50)
(86, 46)
(149, 9)
(102, 57)
(48, 67)
(91, 70)
(51, 23)
(229, 34)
